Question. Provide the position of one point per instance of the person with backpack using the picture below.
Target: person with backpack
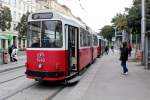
(14, 54)
(124, 58)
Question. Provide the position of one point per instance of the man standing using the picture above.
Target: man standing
(10, 52)
(124, 58)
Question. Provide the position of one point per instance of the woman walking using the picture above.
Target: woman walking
(124, 58)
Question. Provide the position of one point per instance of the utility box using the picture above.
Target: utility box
(5, 57)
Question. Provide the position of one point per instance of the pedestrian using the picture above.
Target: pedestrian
(10, 52)
(106, 49)
(124, 58)
(112, 48)
(129, 49)
(14, 54)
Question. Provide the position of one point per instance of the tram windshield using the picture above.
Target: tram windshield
(45, 34)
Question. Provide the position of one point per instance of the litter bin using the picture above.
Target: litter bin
(1, 56)
(5, 57)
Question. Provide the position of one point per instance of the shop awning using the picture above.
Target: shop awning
(3, 37)
(9, 37)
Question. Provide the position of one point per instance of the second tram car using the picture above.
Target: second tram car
(59, 47)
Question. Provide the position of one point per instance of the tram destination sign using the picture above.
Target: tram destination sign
(42, 16)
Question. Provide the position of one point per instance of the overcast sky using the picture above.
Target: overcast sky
(96, 13)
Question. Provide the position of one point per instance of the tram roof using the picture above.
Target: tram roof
(58, 16)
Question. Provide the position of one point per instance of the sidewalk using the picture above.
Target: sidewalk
(14, 65)
(104, 81)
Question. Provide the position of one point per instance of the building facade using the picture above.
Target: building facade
(54, 6)
(18, 8)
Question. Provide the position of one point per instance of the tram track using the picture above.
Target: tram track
(11, 79)
(10, 75)
(55, 93)
(7, 96)
(9, 69)
(30, 88)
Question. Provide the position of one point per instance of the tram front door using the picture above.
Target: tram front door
(72, 33)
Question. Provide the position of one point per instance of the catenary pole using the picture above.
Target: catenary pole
(143, 25)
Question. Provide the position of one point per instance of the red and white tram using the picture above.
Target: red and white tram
(95, 46)
(59, 47)
(101, 45)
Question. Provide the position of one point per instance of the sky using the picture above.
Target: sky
(96, 13)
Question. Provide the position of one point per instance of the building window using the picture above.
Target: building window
(5, 1)
(14, 26)
(19, 15)
(19, 4)
(14, 15)
(13, 2)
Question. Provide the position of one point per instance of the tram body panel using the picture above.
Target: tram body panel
(99, 50)
(51, 61)
(95, 52)
(85, 57)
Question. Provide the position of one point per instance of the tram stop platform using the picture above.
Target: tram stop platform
(14, 65)
(104, 81)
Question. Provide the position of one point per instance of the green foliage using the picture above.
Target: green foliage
(120, 21)
(147, 15)
(5, 20)
(23, 25)
(107, 32)
(134, 17)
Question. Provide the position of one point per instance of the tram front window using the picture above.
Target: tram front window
(34, 34)
(49, 34)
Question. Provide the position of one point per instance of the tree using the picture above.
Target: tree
(120, 21)
(147, 15)
(134, 17)
(107, 32)
(23, 25)
(5, 20)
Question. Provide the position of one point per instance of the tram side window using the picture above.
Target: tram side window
(84, 38)
(89, 39)
(81, 37)
(34, 34)
(95, 41)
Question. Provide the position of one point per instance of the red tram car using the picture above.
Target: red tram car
(59, 47)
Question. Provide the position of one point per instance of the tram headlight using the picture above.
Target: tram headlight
(40, 66)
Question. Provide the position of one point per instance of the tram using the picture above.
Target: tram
(101, 45)
(59, 47)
